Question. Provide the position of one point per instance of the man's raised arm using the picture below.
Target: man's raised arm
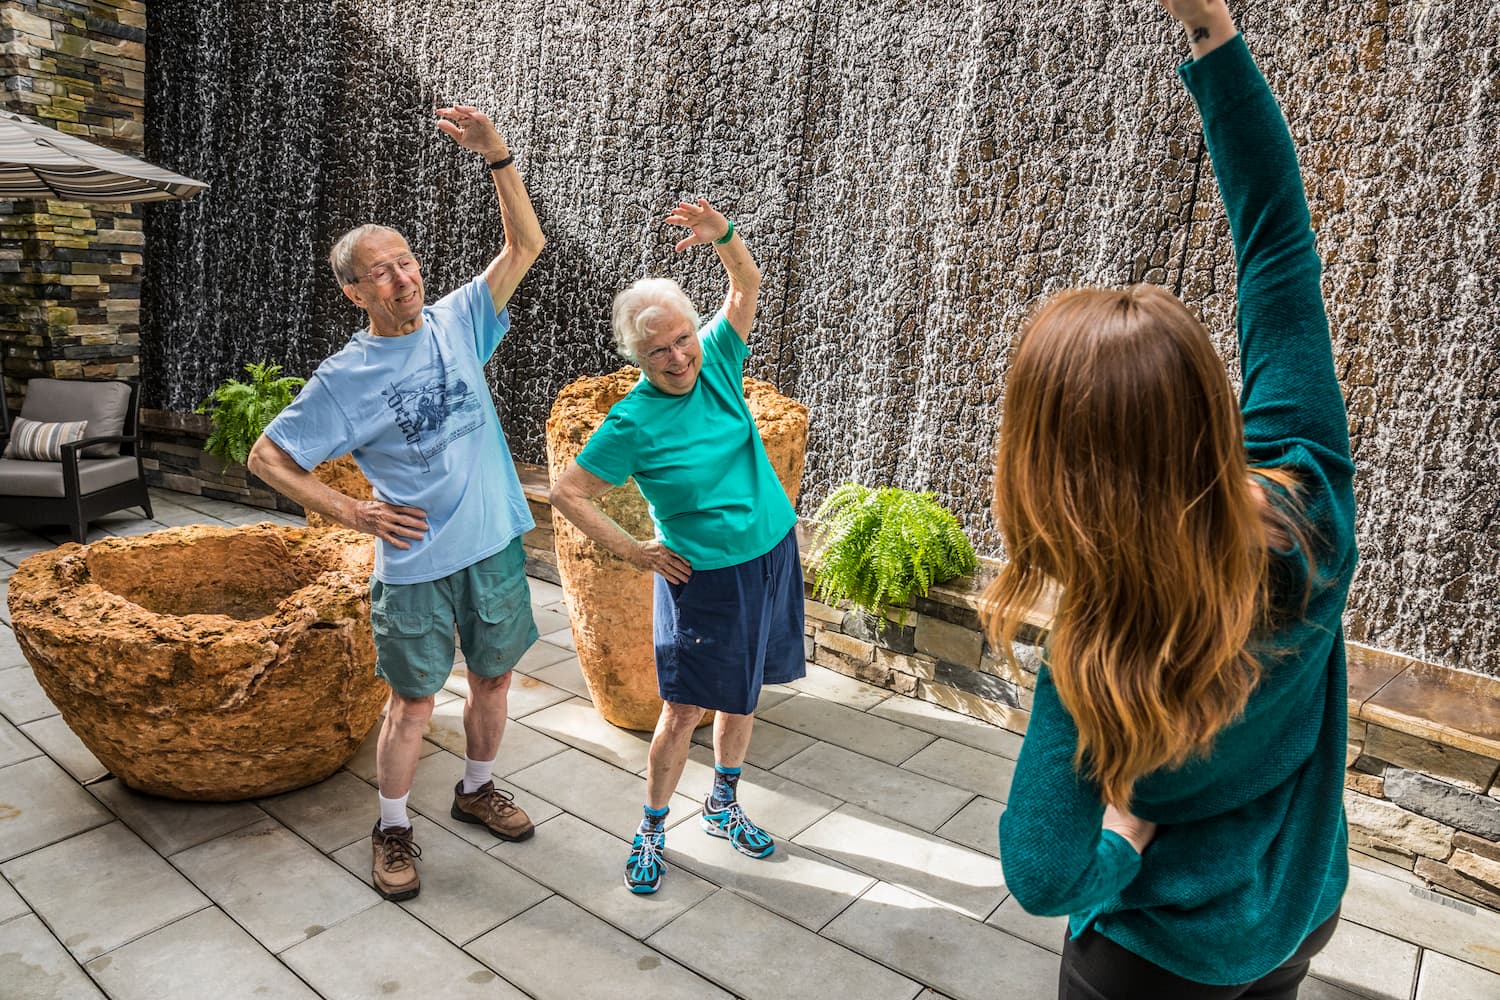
(472, 129)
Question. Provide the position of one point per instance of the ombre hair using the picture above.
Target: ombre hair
(647, 301)
(1121, 479)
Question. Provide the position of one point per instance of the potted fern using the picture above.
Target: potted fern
(239, 411)
(876, 548)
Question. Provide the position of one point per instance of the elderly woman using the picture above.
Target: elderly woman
(728, 601)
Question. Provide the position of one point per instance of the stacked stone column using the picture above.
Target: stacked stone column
(70, 273)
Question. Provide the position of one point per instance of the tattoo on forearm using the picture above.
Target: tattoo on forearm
(1200, 34)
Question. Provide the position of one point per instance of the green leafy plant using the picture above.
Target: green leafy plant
(239, 411)
(878, 547)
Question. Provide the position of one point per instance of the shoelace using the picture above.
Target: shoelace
(649, 853)
(738, 821)
(399, 850)
(500, 799)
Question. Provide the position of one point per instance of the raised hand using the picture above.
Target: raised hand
(472, 129)
(388, 521)
(657, 558)
(706, 222)
(1207, 22)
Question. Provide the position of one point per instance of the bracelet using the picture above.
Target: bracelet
(502, 164)
(728, 234)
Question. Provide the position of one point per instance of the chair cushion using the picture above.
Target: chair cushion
(45, 479)
(40, 441)
(102, 404)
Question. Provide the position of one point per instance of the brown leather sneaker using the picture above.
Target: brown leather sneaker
(395, 864)
(494, 808)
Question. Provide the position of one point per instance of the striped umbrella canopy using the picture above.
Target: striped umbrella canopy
(37, 161)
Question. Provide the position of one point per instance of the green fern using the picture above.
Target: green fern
(878, 547)
(239, 411)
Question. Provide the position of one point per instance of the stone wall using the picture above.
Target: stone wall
(934, 651)
(1427, 806)
(70, 273)
(172, 453)
(912, 176)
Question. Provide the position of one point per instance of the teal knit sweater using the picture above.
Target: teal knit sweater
(1250, 851)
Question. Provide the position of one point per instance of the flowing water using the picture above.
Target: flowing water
(912, 177)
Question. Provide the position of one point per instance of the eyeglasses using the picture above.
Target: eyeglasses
(384, 274)
(663, 353)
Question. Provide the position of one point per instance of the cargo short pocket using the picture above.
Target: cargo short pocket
(496, 605)
(400, 624)
(413, 650)
(500, 629)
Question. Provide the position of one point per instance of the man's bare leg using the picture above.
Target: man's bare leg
(400, 744)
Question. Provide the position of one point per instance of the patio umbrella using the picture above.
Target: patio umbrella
(37, 161)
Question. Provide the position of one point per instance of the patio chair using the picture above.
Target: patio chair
(99, 472)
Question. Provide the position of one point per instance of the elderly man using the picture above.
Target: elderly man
(408, 398)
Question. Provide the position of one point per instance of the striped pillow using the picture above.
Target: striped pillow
(41, 441)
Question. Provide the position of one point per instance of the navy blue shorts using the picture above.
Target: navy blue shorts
(725, 632)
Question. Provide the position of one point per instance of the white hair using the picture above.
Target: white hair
(647, 301)
(341, 257)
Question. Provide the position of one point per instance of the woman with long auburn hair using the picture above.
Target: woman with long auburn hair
(1179, 793)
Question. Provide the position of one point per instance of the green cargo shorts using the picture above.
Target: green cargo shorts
(488, 604)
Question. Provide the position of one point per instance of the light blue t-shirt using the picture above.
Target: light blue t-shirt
(698, 460)
(416, 413)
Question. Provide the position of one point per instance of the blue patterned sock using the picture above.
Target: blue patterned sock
(654, 820)
(726, 780)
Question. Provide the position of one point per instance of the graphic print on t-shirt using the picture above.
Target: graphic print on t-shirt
(433, 407)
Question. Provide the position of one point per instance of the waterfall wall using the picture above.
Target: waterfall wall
(912, 177)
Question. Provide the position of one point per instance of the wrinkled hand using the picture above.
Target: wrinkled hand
(706, 222)
(1138, 831)
(389, 522)
(657, 558)
(472, 129)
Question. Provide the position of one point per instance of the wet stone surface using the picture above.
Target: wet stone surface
(911, 181)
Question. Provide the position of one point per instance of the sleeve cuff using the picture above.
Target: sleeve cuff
(587, 466)
(296, 454)
(1223, 78)
(1123, 858)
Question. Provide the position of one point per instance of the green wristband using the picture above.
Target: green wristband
(728, 234)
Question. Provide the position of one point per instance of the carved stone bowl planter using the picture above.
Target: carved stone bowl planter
(609, 601)
(207, 663)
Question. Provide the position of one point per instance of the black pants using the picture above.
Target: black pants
(1095, 968)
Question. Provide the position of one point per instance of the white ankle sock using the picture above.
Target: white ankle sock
(393, 812)
(476, 773)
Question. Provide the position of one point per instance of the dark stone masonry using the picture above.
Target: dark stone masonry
(70, 273)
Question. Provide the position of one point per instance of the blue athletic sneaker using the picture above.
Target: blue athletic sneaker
(644, 866)
(731, 823)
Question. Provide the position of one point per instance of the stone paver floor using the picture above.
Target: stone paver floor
(884, 884)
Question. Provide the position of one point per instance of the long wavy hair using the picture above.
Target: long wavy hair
(1121, 480)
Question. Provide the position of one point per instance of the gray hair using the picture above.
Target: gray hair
(341, 257)
(647, 301)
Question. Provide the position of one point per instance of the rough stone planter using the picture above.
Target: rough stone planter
(609, 600)
(207, 663)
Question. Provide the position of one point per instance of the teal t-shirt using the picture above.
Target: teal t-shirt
(698, 460)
